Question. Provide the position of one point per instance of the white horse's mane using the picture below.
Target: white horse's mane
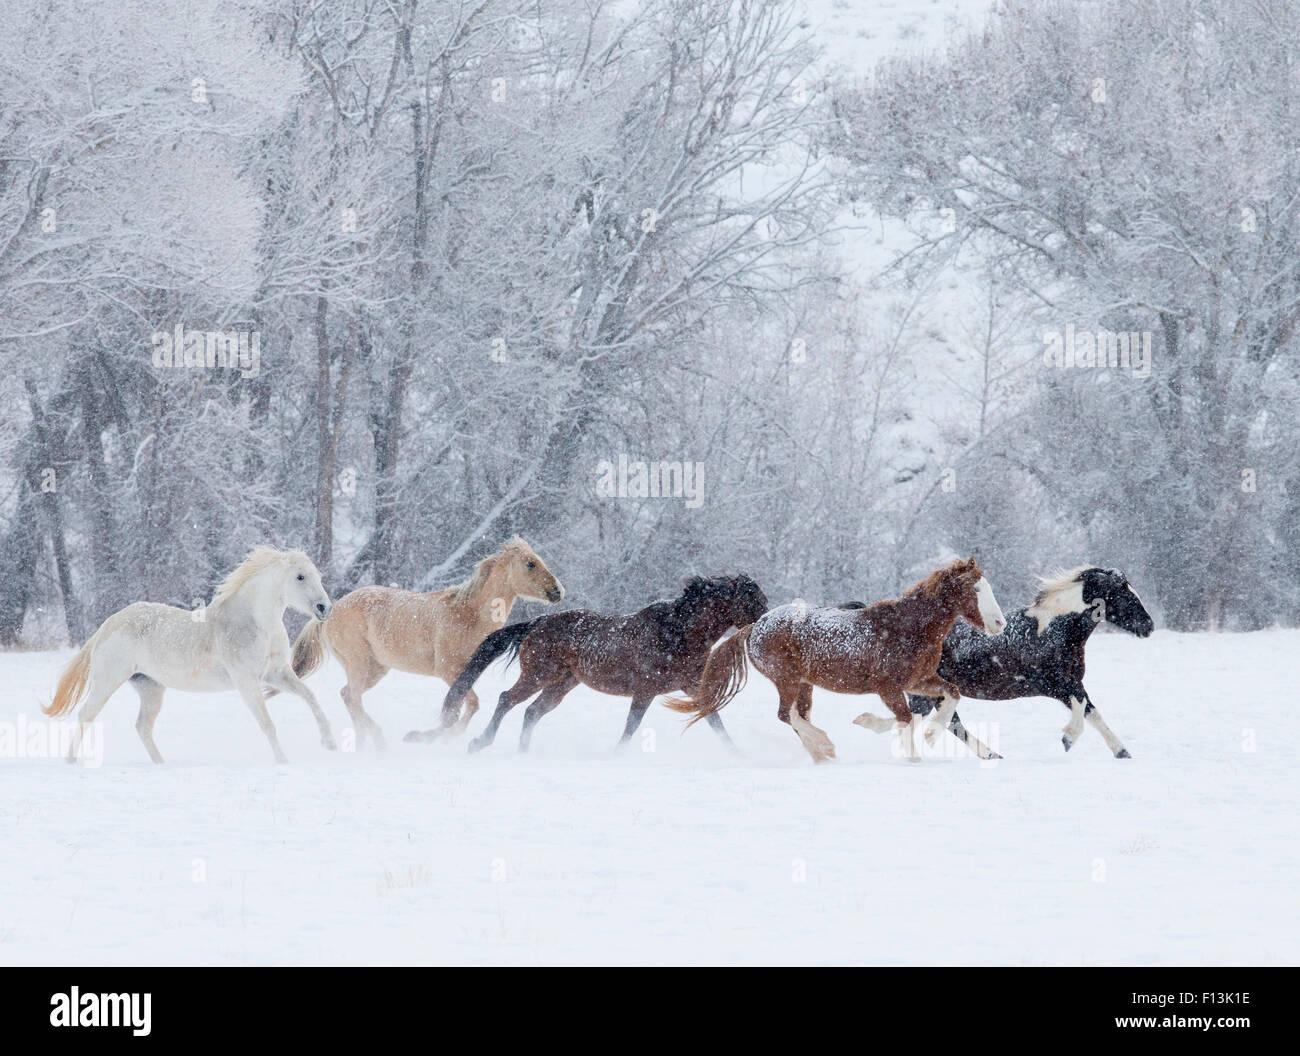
(258, 560)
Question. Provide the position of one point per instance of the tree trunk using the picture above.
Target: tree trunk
(325, 444)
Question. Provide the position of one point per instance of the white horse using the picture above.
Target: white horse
(237, 641)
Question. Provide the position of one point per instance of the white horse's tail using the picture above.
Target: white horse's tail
(309, 649)
(73, 679)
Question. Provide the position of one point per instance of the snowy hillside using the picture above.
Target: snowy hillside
(676, 852)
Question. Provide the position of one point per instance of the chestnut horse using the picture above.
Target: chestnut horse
(376, 629)
(890, 648)
(660, 649)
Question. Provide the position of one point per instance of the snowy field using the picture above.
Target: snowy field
(675, 852)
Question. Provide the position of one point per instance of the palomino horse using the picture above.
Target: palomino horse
(1041, 652)
(887, 648)
(239, 642)
(376, 629)
(660, 649)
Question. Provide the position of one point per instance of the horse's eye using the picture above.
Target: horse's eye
(532, 565)
(301, 577)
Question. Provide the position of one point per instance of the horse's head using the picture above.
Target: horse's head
(527, 574)
(975, 600)
(303, 589)
(748, 601)
(1109, 597)
(719, 602)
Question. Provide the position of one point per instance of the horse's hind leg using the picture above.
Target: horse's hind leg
(1076, 702)
(468, 709)
(640, 703)
(981, 750)
(107, 672)
(547, 702)
(102, 686)
(525, 687)
(796, 711)
(151, 698)
(362, 677)
(945, 717)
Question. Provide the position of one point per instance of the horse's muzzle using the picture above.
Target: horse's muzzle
(554, 594)
(322, 609)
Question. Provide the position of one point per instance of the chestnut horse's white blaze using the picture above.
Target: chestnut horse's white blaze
(990, 610)
(239, 643)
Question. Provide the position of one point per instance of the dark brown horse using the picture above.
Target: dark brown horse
(890, 648)
(660, 649)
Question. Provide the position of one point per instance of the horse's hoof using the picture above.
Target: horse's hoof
(418, 737)
(993, 755)
(1067, 742)
(475, 745)
(328, 744)
(1123, 754)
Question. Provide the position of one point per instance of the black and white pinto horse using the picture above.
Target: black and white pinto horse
(1040, 653)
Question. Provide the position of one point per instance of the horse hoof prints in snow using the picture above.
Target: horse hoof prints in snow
(239, 644)
(889, 648)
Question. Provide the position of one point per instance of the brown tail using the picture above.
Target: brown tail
(724, 676)
(309, 649)
(72, 682)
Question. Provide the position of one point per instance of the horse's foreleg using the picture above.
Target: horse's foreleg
(1112, 742)
(151, 698)
(715, 720)
(905, 722)
(876, 724)
(251, 691)
(285, 679)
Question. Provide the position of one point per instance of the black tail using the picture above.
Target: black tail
(508, 639)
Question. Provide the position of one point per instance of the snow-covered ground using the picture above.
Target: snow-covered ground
(675, 852)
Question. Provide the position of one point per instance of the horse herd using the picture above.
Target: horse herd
(919, 653)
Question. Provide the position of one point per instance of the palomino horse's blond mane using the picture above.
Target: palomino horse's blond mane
(258, 560)
(468, 589)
